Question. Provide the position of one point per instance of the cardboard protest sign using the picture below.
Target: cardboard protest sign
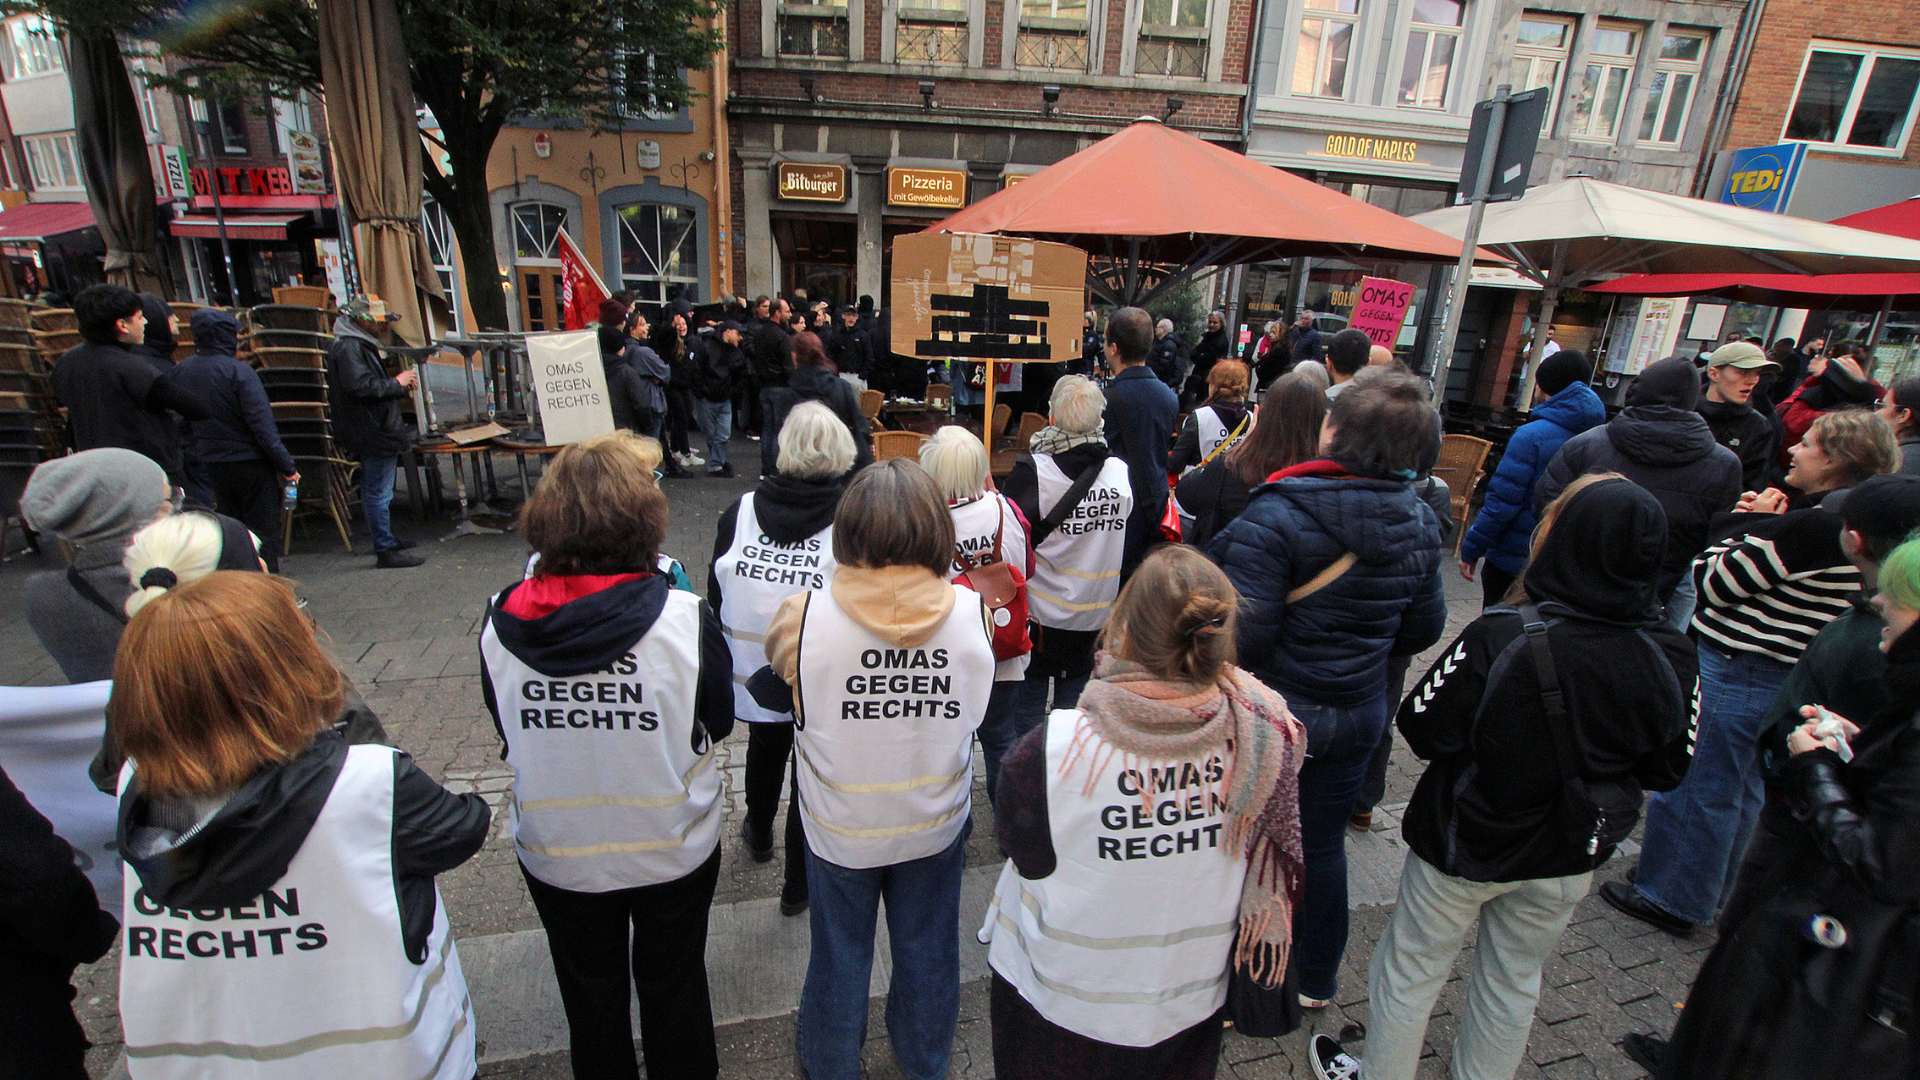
(571, 385)
(1380, 307)
(969, 296)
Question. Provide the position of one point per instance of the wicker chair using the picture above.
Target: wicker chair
(871, 402)
(1463, 461)
(940, 396)
(897, 444)
(52, 319)
(313, 296)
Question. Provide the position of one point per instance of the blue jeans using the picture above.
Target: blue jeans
(999, 730)
(376, 499)
(923, 923)
(1030, 701)
(1697, 832)
(716, 419)
(1681, 604)
(1340, 742)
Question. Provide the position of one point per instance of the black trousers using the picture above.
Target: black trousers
(39, 1036)
(249, 492)
(1494, 585)
(668, 927)
(679, 419)
(769, 761)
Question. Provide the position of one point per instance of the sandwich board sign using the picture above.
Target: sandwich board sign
(571, 385)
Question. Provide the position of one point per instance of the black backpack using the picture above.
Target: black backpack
(1596, 817)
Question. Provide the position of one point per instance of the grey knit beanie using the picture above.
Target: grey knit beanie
(94, 496)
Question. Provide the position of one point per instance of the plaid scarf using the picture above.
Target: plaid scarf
(1128, 712)
(1051, 440)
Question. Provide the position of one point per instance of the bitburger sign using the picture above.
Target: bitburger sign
(804, 182)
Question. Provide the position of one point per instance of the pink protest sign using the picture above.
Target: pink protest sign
(1381, 306)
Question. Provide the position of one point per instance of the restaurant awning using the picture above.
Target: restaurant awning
(239, 226)
(42, 221)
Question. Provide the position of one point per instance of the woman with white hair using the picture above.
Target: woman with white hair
(774, 542)
(988, 528)
(1078, 497)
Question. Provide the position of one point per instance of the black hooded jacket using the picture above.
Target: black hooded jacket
(1749, 433)
(231, 856)
(626, 390)
(158, 344)
(788, 509)
(810, 383)
(239, 425)
(1485, 809)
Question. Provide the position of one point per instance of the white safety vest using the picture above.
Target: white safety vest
(974, 525)
(614, 780)
(1076, 568)
(308, 979)
(1128, 941)
(1212, 431)
(885, 739)
(755, 575)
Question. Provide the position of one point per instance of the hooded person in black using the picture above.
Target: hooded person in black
(236, 450)
(1659, 442)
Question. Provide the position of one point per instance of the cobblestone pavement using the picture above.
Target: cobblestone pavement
(408, 641)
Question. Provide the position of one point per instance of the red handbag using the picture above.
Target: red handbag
(1003, 588)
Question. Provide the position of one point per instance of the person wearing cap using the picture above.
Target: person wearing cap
(723, 373)
(1733, 372)
(1502, 532)
(237, 446)
(366, 417)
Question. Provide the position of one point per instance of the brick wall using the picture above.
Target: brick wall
(1781, 47)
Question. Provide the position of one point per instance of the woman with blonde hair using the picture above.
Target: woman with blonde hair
(610, 689)
(281, 912)
(1144, 828)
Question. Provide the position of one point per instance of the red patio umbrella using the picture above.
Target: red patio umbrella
(1151, 205)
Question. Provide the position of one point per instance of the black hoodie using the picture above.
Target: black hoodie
(1484, 808)
(187, 859)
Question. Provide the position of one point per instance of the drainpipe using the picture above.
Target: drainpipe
(722, 169)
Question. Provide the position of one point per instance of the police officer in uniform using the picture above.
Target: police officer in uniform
(610, 688)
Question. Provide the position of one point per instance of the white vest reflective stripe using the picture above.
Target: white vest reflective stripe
(609, 790)
(309, 979)
(1129, 939)
(756, 574)
(974, 525)
(1076, 569)
(885, 739)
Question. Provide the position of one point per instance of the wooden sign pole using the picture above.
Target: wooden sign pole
(987, 435)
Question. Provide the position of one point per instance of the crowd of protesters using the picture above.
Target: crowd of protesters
(1182, 641)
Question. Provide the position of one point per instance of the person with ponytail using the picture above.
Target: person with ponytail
(1144, 827)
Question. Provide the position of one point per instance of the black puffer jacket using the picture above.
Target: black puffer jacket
(1670, 451)
(1749, 433)
(1485, 809)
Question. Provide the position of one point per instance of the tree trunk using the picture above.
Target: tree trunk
(472, 218)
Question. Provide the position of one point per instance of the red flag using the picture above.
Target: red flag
(581, 290)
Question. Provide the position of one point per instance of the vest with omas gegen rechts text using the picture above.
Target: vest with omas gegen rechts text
(1076, 569)
(755, 575)
(1211, 431)
(885, 733)
(310, 978)
(614, 780)
(1128, 941)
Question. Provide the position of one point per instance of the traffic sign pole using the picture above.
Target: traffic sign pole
(1463, 272)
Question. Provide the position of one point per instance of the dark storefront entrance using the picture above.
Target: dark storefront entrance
(818, 253)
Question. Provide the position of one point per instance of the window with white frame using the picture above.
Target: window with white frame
(32, 48)
(9, 179)
(438, 231)
(145, 98)
(229, 126)
(1856, 97)
(1605, 86)
(659, 253)
(1173, 38)
(536, 232)
(1540, 58)
(813, 30)
(1433, 44)
(1670, 93)
(930, 32)
(1323, 51)
(53, 161)
(634, 73)
(1053, 35)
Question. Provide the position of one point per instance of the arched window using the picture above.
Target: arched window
(659, 252)
(536, 232)
(439, 234)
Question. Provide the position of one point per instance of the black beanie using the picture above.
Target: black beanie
(1883, 510)
(1561, 370)
(1673, 381)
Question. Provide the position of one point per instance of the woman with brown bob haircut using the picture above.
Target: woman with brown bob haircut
(609, 688)
(1288, 433)
(281, 912)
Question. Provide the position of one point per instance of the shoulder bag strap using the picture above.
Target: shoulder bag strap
(1335, 570)
(998, 530)
(1232, 437)
(85, 588)
(1068, 502)
(1552, 700)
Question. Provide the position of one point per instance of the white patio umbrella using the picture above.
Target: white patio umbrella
(1581, 230)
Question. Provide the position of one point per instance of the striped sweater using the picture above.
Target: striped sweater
(1774, 583)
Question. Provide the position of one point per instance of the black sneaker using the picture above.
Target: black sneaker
(793, 901)
(1330, 1062)
(1627, 900)
(1646, 1051)
(402, 544)
(759, 852)
(397, 559)
(724, 472)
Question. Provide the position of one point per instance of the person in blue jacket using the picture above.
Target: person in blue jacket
(1503, 529)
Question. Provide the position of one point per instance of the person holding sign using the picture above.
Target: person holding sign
(889, 668)
(1143, 828)
(774, 542)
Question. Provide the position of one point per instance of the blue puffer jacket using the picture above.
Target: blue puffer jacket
(1332, 647)
(1504, 527)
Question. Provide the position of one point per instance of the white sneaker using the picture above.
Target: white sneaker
(690, 460)
(1330, 1062)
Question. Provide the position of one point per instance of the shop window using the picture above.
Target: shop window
(1608, 80)
(32, 48)
(53, 161)
(930, 32)
(1433, 43)
(1173, 39)
(814, 30)
(536, 231)
(1540, 58)
(1676, 76)
(1052, 35)
(659, 252)
(1323, 52)
(229, 126)
(438, 231)
(1856, 98)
